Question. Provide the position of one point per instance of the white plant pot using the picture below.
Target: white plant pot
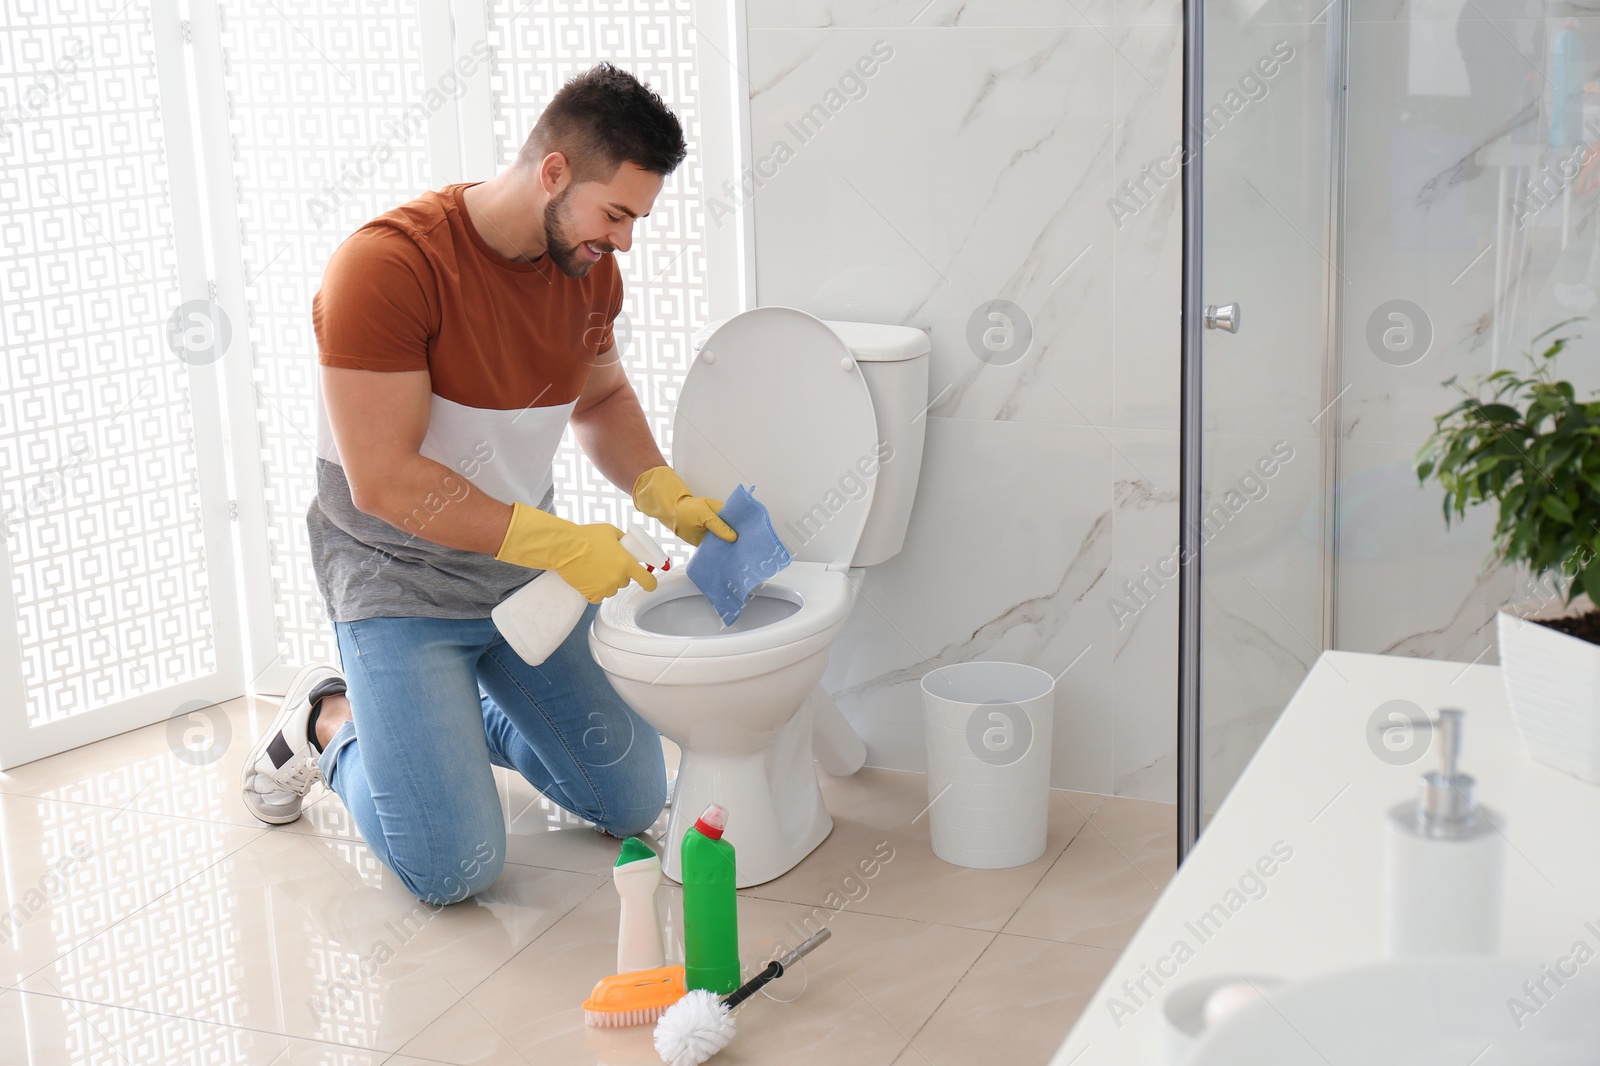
(1553, 685)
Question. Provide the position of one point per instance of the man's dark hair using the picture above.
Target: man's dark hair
(603, 118)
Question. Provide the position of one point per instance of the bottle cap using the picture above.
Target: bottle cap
(1446, 804)
(634, 850)
(713, 821)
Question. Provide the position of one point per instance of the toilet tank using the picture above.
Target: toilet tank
(893, 361)
(894, 364)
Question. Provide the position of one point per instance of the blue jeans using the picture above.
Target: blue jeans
(435, 702)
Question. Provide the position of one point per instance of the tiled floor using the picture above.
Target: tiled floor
(153, 921)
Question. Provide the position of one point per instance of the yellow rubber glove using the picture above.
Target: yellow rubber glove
(661, 493)
(587, 557)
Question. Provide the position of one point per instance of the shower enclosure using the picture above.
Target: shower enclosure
(1389, 195)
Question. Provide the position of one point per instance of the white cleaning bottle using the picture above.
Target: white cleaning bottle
(539, 616)
(1445, 865)
(637, 875)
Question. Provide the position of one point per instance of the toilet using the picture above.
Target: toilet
(825, 420)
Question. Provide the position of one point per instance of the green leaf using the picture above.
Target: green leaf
(1511, 502)
(1521, 538)
(1589, 579)
(1556, 509)
(1500, 413)
(1558, 325)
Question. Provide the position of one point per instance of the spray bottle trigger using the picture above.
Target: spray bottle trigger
(643, 547)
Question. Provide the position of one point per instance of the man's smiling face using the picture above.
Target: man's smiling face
(588, 219)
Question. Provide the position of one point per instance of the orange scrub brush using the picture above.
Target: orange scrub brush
(637, 998)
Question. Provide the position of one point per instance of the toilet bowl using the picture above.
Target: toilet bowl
(823, 420)
(731, 699)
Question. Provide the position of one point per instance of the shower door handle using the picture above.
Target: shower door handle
(1225, 317)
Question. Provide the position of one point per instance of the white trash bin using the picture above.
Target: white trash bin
(988, 727)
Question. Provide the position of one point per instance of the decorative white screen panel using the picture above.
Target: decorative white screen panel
(99, 495)
(329, 128)
(537, 46)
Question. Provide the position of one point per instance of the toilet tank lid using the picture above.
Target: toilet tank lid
(869, 342)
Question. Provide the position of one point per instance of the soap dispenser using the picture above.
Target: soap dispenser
(1445, 862)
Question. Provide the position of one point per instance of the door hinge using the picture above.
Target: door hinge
(211, 289)
(188, 37)
(233, 510)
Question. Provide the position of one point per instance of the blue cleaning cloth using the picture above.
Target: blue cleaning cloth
(727, 572)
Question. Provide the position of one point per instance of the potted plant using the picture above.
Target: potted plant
(1530, 445)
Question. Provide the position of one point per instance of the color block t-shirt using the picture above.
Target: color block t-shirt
(508, 347)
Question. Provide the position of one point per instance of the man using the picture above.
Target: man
(457, 336)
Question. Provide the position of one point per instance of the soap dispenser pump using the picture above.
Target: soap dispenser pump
(1445, 861)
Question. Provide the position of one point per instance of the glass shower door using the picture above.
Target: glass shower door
(1268, 254)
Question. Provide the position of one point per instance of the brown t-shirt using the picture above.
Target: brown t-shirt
(508, 347)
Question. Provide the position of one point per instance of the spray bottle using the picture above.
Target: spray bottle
(538, 617)
(710, 915)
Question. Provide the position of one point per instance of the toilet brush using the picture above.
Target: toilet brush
(701, 1023)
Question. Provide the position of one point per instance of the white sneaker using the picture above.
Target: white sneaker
(282, 767)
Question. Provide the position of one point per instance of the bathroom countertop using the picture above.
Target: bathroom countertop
(1317, 792)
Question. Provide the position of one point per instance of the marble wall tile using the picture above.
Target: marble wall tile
(1407, 585)
(975, 166)
(979, 163)
(1448, 15)
(1139, 601)
(1150, 13)
(1009, 544)
(1147, 228)
(834, 14)
(825, 14)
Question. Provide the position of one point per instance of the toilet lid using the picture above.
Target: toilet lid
(775, 401)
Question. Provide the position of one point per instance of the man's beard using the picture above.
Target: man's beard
(557, 215)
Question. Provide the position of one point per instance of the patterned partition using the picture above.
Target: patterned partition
(327, 119)
(99, 499)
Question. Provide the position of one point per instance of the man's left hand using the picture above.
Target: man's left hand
(661, 493)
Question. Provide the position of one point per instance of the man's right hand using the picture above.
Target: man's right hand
(588, 557)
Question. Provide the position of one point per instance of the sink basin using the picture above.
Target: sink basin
(1435, 1012)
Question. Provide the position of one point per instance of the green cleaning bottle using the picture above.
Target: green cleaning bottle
(710, 917)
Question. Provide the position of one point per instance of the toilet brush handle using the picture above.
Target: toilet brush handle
(774, 969)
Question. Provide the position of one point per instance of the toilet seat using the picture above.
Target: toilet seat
(825, 597)
(776, 401)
